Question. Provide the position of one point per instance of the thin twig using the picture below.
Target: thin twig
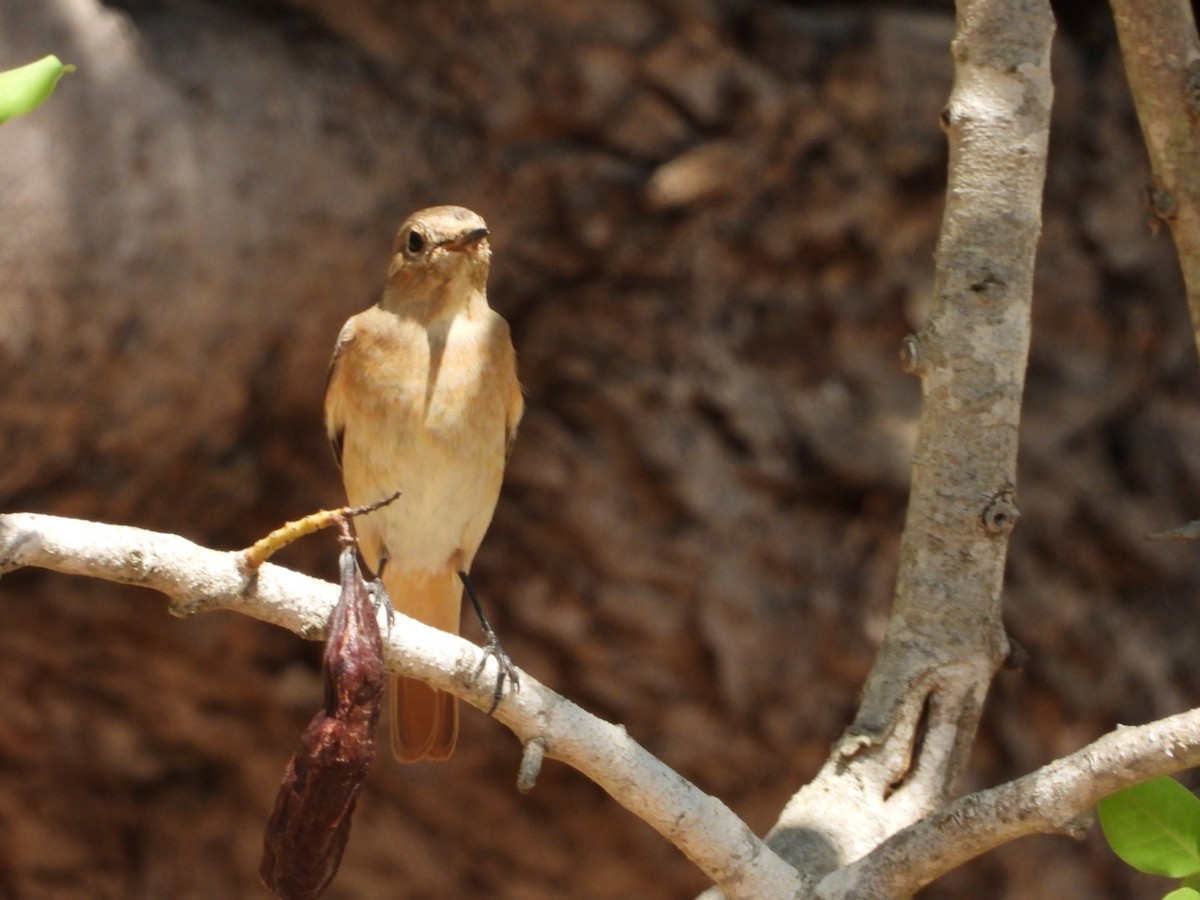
(261, 550)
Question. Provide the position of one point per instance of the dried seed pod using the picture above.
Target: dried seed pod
(309, 827)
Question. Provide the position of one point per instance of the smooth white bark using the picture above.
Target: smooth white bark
(196, 579)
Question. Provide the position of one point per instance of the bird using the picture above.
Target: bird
(422, 398)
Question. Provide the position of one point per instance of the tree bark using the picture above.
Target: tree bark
(904, 754)
(1162, 62)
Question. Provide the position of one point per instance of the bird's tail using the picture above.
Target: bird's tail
(424, 719)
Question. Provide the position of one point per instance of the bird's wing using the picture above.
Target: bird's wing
(335, 423)
(512, 416)
(515, 401)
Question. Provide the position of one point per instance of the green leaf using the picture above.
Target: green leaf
(1183, 893)
(23, 89)
(1154, 827)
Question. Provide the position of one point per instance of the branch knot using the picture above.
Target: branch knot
(1001, 514)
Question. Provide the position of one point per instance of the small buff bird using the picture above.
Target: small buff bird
(423, 399)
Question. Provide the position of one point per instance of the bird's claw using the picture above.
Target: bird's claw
(379, 597)
(506, 671)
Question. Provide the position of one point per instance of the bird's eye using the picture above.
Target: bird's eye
(416, 243)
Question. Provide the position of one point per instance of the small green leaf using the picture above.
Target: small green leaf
(23, 89)
(1183, 893)
(1154, 827)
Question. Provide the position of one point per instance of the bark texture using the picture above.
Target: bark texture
(908, 747)
(713, 226)
(1161, 51)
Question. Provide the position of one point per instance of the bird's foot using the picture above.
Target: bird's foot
(506, 671)
(379, 597)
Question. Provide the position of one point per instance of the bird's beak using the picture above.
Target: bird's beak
(465, 241)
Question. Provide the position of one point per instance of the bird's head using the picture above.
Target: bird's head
(440, 258)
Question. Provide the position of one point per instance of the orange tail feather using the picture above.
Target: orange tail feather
(424, 719)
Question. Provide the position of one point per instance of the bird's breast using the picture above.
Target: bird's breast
(425, 415)
(436, 380)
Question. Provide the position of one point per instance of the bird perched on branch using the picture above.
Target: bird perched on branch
(423, 399)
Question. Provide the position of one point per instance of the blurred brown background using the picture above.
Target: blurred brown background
(713, 224)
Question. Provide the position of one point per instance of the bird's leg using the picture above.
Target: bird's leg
(379, 596)
(507, 671)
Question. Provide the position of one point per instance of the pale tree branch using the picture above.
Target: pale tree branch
(1057, 798)
(902, 757)
(1162, 64)
(197, 579)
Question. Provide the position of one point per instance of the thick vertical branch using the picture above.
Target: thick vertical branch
(903, 755)
(1162, 62)
(971, 358)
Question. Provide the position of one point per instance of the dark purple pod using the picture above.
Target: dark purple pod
(310, 824)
